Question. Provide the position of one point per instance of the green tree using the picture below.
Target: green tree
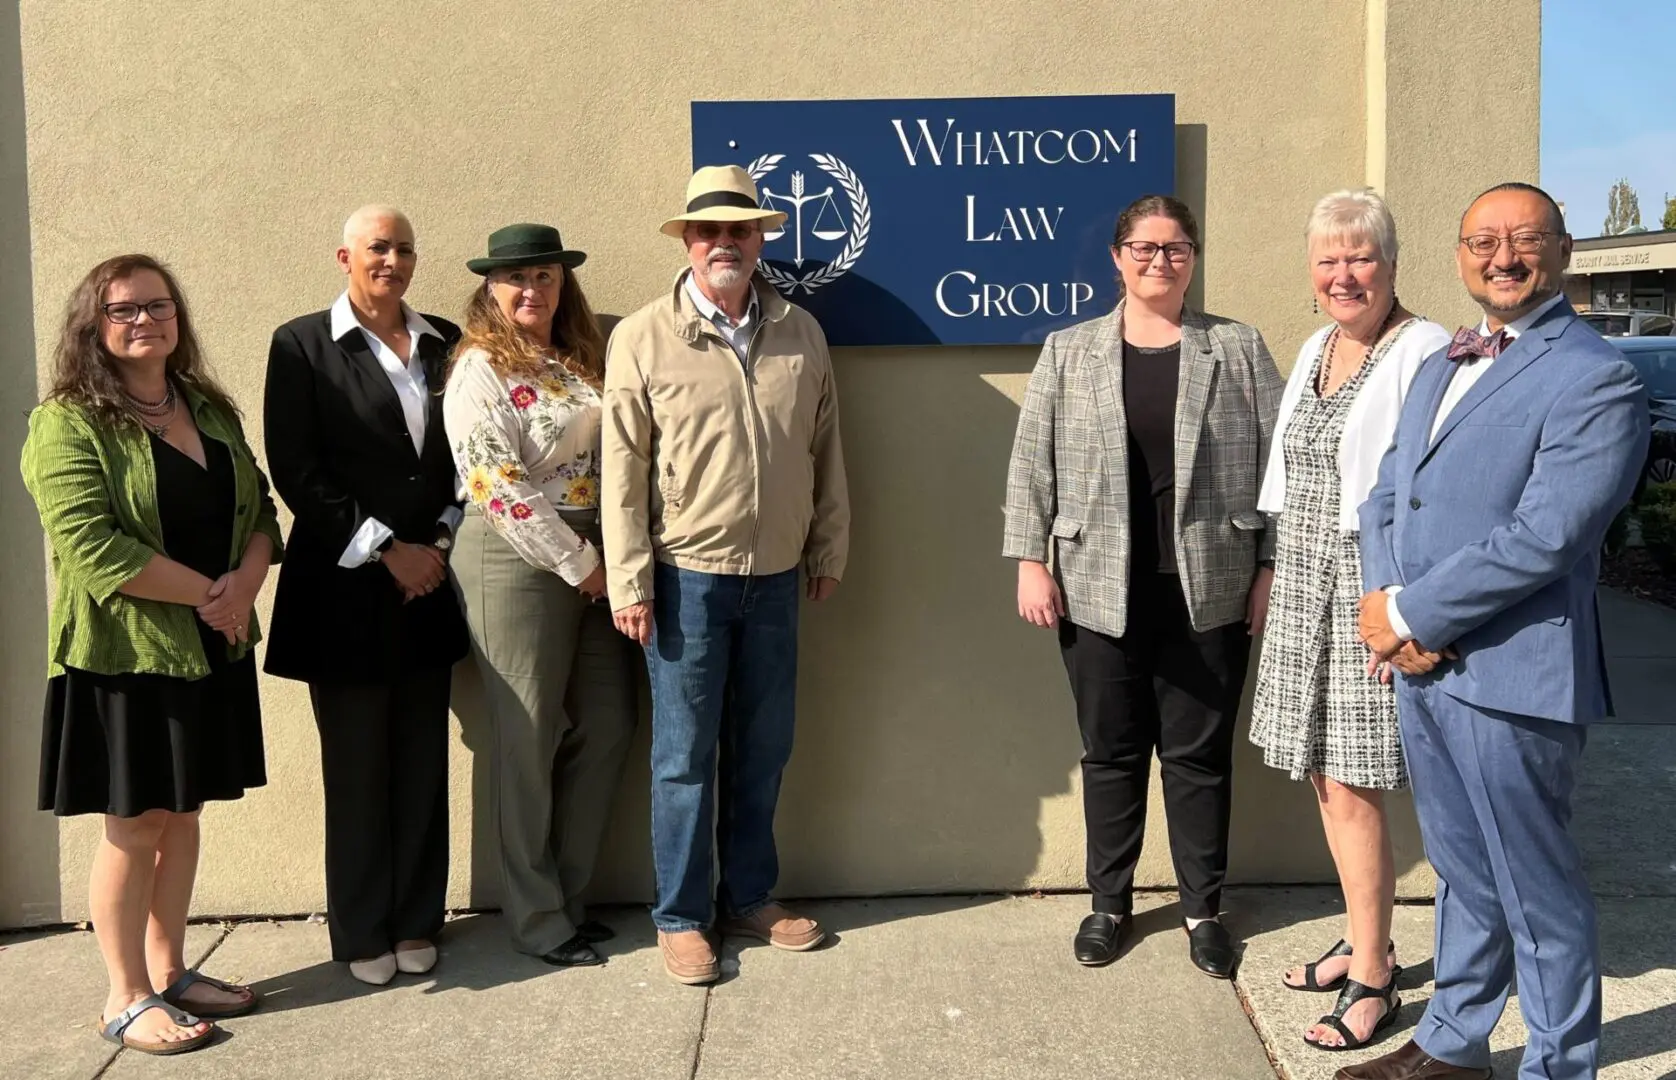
(1669, 221)
(1623, 209)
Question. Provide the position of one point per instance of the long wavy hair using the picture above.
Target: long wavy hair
(84, 371)
(576, 335)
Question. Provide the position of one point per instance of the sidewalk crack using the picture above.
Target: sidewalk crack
(703, 1029)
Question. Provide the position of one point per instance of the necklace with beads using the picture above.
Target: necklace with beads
(154, 416)
(1322, 373)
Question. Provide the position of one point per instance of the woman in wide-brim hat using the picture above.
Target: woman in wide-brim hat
(522, 411)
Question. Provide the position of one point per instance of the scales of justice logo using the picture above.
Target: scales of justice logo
(825, 223)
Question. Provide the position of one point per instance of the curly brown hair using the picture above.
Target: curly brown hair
(86, 374)
(576, 335)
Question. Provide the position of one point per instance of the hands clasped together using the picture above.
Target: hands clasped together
(1386, 648)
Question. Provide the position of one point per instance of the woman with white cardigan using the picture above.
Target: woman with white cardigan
(1319, 712)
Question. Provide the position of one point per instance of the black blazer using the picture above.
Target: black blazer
(339, 452)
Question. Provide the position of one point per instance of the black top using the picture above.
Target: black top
(339, 453)
(196, 505)
(1150, 376)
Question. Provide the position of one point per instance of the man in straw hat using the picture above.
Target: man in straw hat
(722, 477)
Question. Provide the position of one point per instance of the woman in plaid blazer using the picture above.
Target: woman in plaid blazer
(1134, 473)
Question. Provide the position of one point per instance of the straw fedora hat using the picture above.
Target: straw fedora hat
(526, 245)
(722, 193)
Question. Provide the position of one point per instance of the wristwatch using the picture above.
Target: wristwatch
(444, 541)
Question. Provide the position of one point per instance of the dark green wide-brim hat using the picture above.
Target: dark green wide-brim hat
(525, 244)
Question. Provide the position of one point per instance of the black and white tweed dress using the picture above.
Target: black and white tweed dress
(1317, 710)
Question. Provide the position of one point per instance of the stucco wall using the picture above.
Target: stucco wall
(936, 746)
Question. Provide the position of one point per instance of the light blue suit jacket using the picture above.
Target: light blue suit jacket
(1494, 529)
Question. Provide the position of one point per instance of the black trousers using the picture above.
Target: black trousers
(1163, 687)
(384, 756)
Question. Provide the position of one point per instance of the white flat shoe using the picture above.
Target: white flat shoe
(376, 972)
(416, 961)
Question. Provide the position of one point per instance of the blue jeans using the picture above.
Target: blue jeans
(723, 665)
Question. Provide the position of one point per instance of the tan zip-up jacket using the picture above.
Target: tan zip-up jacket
(715, 465)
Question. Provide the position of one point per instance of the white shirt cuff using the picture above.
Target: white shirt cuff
(372, 533)
(451, 516)
(1395, 616)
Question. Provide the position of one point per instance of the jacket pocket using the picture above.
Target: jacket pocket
(1065, 528)
(1249, 520)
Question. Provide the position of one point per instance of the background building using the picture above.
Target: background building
(1634, 270)
(937, 749)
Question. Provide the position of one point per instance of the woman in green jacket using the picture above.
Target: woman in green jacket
(162, 531)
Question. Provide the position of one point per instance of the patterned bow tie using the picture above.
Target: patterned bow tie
(1469, 343)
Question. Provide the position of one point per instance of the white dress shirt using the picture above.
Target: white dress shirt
(1466, 373)
(408, 379)
(737, 334)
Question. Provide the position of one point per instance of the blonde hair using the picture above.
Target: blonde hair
(1354, 215)
(510, 351)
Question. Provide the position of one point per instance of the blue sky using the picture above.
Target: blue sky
(1608, 109)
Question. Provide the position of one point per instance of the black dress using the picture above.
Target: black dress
(125, 744)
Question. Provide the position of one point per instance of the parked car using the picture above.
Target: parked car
(1655, 359)
(1633, 323)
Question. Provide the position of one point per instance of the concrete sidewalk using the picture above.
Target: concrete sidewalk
(973, 988)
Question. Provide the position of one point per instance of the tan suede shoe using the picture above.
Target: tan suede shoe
(779, 927)
(688, 957)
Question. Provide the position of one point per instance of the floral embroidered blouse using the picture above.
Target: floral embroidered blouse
(525, 449)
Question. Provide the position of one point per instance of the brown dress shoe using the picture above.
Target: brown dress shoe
(688, 957)
(1409, 1063)
(780, 928)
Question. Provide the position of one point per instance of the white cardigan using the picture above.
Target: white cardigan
(1368, 428)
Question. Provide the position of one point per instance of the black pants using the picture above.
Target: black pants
(1161, 686)
(384, 756)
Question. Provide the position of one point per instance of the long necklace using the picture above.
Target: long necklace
(1322, 373)
(154, 416)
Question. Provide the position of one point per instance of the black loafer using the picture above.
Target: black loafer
(593, 932)
(1212, 949)
(1100, 938)
(573, 953)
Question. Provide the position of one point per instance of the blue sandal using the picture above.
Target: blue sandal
(209, 1012)
(116, 1031)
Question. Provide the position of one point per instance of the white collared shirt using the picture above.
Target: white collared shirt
(1467, 372)
(407, 377)
(737, 334)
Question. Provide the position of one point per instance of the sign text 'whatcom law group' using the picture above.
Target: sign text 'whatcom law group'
(946, 220)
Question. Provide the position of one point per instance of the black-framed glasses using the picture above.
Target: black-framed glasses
(739, 230)
(1144, 251)
(161, 310)
(1485, 245)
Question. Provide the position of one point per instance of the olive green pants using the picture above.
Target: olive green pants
(559, 681)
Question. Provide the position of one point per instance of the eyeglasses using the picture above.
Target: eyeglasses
(739, 230)
(1144, 251)
(1485, 245)
(160, 311)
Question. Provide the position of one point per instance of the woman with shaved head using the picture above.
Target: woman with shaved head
(356, 444)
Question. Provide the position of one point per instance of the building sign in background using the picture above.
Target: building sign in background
(945, 220)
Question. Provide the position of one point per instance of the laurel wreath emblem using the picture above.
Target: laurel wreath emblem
(861, 224)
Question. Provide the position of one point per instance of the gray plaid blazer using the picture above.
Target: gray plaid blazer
(1068, 482)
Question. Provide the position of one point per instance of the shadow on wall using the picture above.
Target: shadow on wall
(29, 889)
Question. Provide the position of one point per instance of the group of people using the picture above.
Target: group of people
(538, 489)
(1412, 521)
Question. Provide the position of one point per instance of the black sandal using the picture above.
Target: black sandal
(1313, 987)
(1352, 993)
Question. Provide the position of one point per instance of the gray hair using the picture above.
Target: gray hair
(1354, 215)
(369, 215)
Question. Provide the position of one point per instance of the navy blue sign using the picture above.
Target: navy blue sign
(945, 220)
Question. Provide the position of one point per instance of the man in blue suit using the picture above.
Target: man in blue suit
(1517, 446)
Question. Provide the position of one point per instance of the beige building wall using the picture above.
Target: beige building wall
(936, 746)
